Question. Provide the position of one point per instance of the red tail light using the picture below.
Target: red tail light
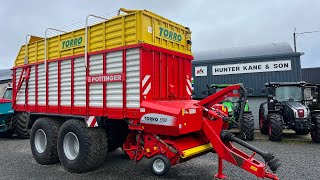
(301, 113)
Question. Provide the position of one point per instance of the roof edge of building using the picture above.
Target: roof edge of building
(310, 68)
(296, 54)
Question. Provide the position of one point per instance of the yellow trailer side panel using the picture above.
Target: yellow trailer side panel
(138, 26)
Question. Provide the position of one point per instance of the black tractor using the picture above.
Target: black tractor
(285, 108)
(312, 99)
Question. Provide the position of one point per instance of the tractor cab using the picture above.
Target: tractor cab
(232, 103)
(312, 100)
(285, 91)
(312, 97)
(5, 101)
(6, 113)
(229, 101)
(8, 94)
(282, 95)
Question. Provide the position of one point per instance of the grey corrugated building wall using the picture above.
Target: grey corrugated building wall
(311, 75)
(253, 66)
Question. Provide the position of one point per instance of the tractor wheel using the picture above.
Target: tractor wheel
(275, 127)
(315, 134)
(20, 123)
(160, 165)
(247, 127)
(117, 132)
(43, 140)
(263, 124)
(80, 148)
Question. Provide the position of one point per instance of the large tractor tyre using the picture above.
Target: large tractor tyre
(14, 122)
(315, 133)
(43, 140)
(263, 124)
(275, 127)
(247, 127)
(117, 132)
(20, 123)
(80, 148)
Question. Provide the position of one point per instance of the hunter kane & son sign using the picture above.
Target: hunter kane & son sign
(284, 65)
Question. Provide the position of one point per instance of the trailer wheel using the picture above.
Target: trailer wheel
(263, 125)
(275, 127)
(315, 134)
(247, 127)
(160, 165)
(43, 140)
(81, 149)
(21, 125)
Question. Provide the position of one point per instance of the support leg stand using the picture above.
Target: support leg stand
(220, 174)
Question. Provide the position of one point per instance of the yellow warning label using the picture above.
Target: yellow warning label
(254, 168)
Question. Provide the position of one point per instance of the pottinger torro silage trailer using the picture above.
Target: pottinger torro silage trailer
(124, 82)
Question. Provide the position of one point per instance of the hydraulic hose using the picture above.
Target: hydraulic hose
(271, 161)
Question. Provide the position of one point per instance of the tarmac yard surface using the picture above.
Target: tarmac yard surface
(299, 156)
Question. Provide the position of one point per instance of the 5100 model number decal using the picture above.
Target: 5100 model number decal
(158, 119)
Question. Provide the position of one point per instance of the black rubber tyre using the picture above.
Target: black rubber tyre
(14, 122)
(117, 132)
(21, 125)
(275, 127)
(247, 127)
(48, 128)
(315, 133)
(91, 150)
(160, 165)
(263, 124)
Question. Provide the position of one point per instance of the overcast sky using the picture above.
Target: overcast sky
(214, 24)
